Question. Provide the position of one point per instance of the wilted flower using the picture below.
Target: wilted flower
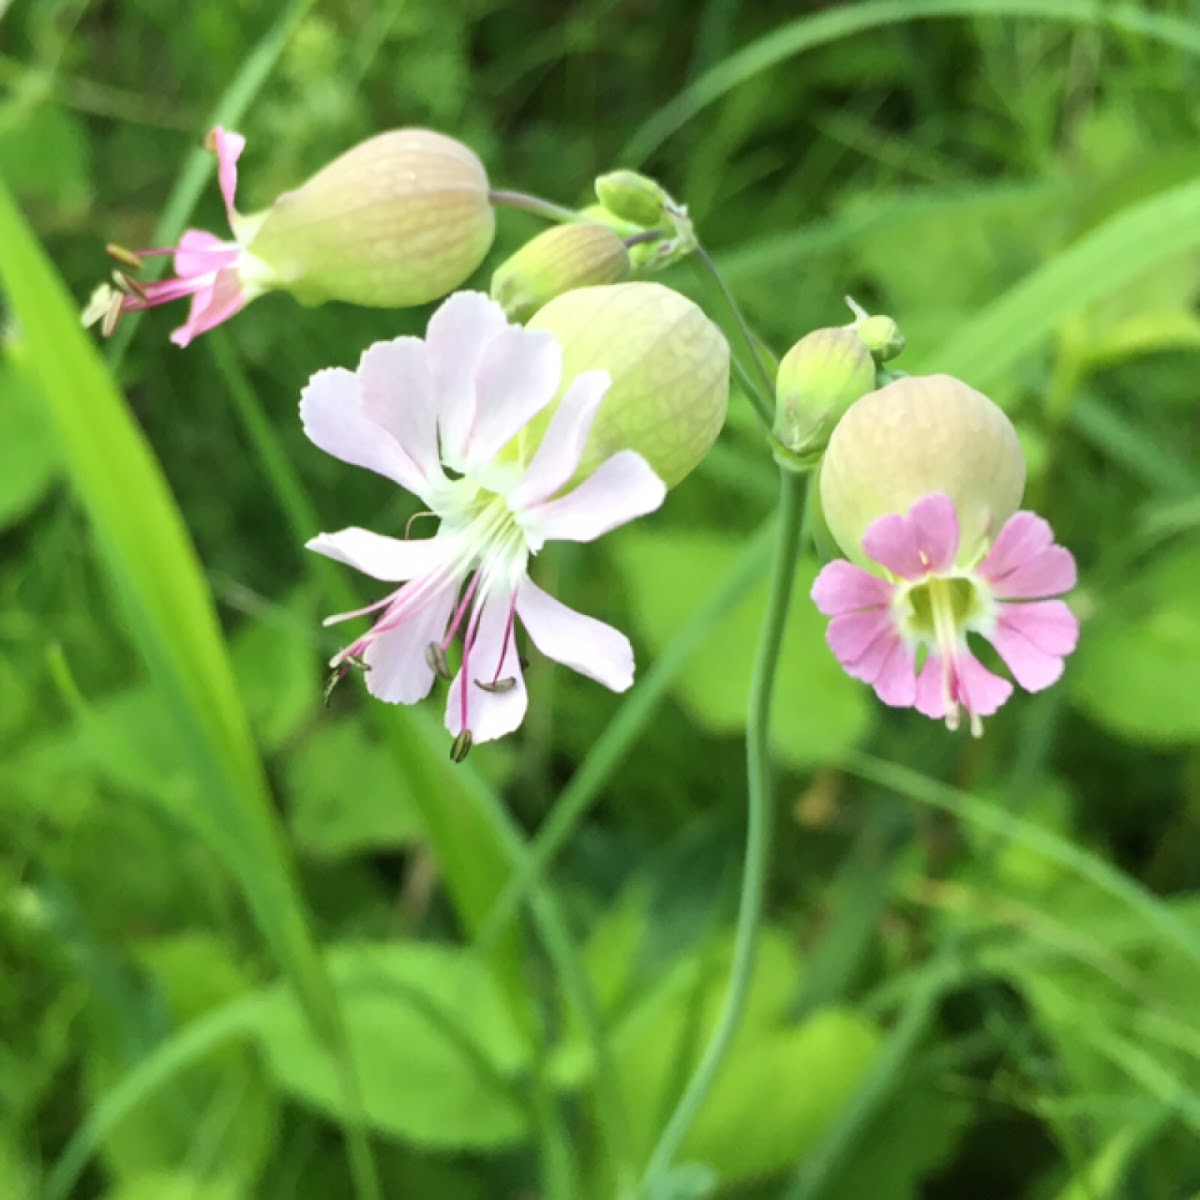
(443, 418)
(669, 366)
(398, 220)
(920, 484)
(921, 602)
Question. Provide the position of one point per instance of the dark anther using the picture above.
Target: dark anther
(461, 746)
(435, 656)
(499, 685)
(126, 258)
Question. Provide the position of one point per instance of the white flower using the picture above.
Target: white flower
(442, 418)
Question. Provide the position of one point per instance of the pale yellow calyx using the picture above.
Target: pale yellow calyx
(583, 254)
(669, 366)
(914, 437)
(398, 220)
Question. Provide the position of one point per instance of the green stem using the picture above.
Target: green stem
(758, 830)
(535, 205)
(761, 387)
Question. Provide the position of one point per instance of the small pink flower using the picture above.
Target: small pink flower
(443, 417)
(221, 277)
(923, 602)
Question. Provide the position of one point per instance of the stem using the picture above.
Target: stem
(762, 386)
(758, 830)
(536, 205)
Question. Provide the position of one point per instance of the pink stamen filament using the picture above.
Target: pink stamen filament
(464, 675)
(508, 636)
(460, 612)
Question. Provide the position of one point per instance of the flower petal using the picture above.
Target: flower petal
(211, 305)
(200, 252)
(617, 491)
(455, 340)
(398, 670)
(563, 443)
(842, 587)
(397, 394)
(331, 409)
(382, 557)
(850, 635)
(912, 546)
(1033, 638)
(518, 376)
(492, 656)
(580, 642)
(228, 147)
(885, 662)
(979, 691)
(895, 681)
(1024, 563)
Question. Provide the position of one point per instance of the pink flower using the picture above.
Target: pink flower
(922, 601)
(221, 277)
(444, 417)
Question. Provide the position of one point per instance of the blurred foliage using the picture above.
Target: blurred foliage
(938, 1007)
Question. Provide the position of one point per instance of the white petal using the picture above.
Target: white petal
(582, 643)
(398, 396)
(331, 409)
(382, 557)
(397, 668)
(564, 441)
(518, 376)
(457, 335)
(493, 655)
(618, 490)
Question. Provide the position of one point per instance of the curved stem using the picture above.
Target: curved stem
(760, 385)
(534, 204)
(758, 830)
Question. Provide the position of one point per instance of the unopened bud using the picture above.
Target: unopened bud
(398, 220)
(632, 197)
(819, 378)
(880, 333)
(916, 436)
(669, 366)
(557, 260)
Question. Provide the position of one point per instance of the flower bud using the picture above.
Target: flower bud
(669, 366)
(557, 260)
(632, 197)
(398, 220)
(916, 436)
(819, 378)
(881, 334)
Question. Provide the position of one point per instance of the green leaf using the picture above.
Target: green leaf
(349, 794)
(29, 459)
(1137, 670)
(819, 711)
(435, 1050)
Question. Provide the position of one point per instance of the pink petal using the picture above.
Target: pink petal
(493, 655)
(397, 394)
(228, 148)
(518, 376)
(895, 681)
(912, 546)
(850, 635)
(1023, 562)
(842, 587)
(582, 643)
(563, 443)
(199, 252)
(1033, 638)
(382, 557)
(930, 698)
(211, 306)
(977, 689)
(398, 670)
(455, 340)
(331, 409)
(620, 489)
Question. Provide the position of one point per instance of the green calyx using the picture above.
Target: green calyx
(669, 371)
(554, 262)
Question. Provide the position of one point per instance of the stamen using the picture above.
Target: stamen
(127, 258)
(461, 746)
(112, 317)
(416, 516)
(435, 657)
(340, 672)
(460, 612)
(498, 686)
(508, 634)
(128, 284)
